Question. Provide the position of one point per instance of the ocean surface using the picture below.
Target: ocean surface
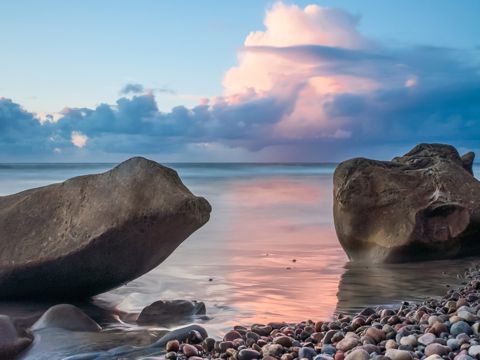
(268, 253)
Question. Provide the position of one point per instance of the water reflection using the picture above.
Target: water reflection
(390, 284)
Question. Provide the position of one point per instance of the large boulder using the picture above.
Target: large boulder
(93, 233)
(423, 205)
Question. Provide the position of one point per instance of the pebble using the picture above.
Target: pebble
(347, 343)
(474, 351)
(427, 339)
(358, 354)
(376, 334)
(285, 341)
(395, 354)
(307, 352)
(232, 335)
(460, 327)
(172, 345)
(275, 350)
(189, 350)
(248, 354)
(436, 349)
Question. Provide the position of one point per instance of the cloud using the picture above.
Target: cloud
(132, 89)
(309, 86)
(78, 139)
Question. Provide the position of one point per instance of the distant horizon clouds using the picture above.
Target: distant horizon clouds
(309, 86)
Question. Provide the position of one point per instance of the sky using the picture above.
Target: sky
(236, 81)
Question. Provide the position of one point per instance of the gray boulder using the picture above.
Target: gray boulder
(423, 205)
(11, 343)
(93, 233)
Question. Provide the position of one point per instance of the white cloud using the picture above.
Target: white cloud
(78, 139)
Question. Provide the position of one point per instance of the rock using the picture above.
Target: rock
(189, 350)
(423, 205)
(453, 344)
(436, 349)
(467, 316)
(93, 233)
(181, 335)
(232, 335)
(427, 339)
(262, 330)
(434, 357)
(347, 343)
(376, 334)
(67, 317)
(275, 350)
(358, 354)
(10, 343)
(168, 313)
(395, 354)
(172, 345)
(285, 341)
(248, 354)
(307, 352)
(460, 327)
(410, 340)
(474, 351)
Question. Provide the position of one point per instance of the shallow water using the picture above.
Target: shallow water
(268, 253)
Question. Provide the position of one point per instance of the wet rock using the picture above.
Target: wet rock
(67, 317)
(189, 350)
(11, 343)
(167, 313)
(423, 205)
(180, 335)
(248, 354)
(285, 341)
(93, 233)
(262, 330)
(232, 335)
(172, 345)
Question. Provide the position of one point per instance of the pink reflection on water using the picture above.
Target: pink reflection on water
(282, 242)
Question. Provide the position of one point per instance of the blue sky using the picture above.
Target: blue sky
(80, 54)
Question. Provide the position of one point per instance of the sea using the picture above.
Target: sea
(268, 253)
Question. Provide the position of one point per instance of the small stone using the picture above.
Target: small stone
(209, 344)
(409, 340)
(328, 349)
(474, 351)
(434, 357)
(376, 334)
(189, 350)
(391, 344)
(347, 343)
(438, 328)
(427, 339)
(395, 354)
(358, 354)
(275, 350)
(287, 357)
(453, 344)
(437, 349)
(172, 355)
(225, 345)
(460, 327)
(172, 345)
(262, 330)
(232, 335)
(285, 341)
(466, 315)
(322, 357)
(307, 352)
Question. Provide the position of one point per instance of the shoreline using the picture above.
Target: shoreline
(445, 327)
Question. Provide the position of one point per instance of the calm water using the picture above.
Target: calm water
(270, 249)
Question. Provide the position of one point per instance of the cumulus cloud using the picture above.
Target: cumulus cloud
(309, 86)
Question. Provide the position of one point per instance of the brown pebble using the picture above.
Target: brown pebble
(172, 345)
(189, 350)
